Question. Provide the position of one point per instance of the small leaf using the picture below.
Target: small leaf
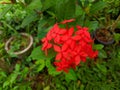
(117, 36)
(93, 25)
(70, 76)
(51, 70)
(17, 67)
(47, 88)
(79, 11)
(102, 68)
(98, 46)
(5, 84)
(41, 64)
(102, 54)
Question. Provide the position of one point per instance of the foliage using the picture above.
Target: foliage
(36, 71)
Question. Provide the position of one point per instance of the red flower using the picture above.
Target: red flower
(71, 46)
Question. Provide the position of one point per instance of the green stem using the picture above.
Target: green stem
(115, 24)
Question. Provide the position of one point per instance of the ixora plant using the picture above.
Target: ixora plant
(72, 45)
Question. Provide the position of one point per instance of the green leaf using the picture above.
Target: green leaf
(5, 84)
(42, 29)
(79, 11)
(34, 5)
(46, 4)
(80, 3)
(93, 25)
(2, 74)
(17, 67)
(5, 10)
(38, 54)
(51, 70)
(65, 9)
(86, 3)
(40, 65)
(47, 88)
(13, 78)
(102, 68)
(24, 72)
(97, 7)
(28, 1)
(30, 18)
(82, 87)
(117, 37)
(102, 54)
(98, 46)
(70, 76)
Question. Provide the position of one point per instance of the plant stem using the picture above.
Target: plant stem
(115, 24)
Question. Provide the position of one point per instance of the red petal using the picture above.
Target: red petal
(44, 39)
(62, 31)
(49, 45)
(64, 38)
(85, 28)
(58, 56)
(79, 27)
(70, 31)
(69, 42)
(77, 37)
(49, 36)
(57, 48)
(77, 60)
(64, 47)
(67, 21)
(44, 45)
(57, 39)
(83, 54)
(87, 34)
(56, 28)
(73, 45)
(54, 35)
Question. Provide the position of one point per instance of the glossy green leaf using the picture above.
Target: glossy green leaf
(38, 54)
(40, 65)
(98, 46)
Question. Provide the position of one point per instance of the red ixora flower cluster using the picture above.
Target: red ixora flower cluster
(72, 46)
